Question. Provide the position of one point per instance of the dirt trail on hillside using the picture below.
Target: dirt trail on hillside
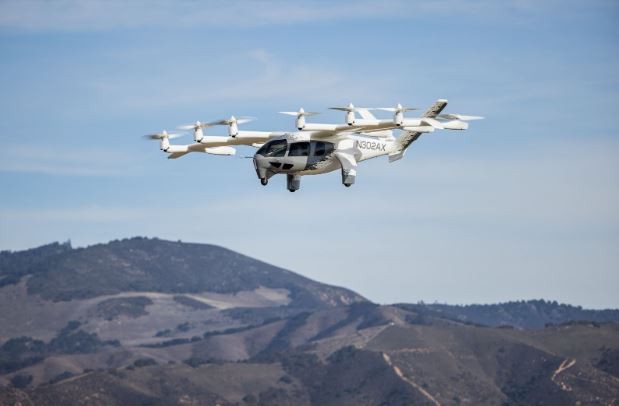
(398, 372)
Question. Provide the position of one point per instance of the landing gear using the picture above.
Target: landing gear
(293, 182)
(348, 177)
(264, 181)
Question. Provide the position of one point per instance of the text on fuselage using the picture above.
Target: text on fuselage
(379, 146)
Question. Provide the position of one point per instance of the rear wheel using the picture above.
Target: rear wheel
(264, 181)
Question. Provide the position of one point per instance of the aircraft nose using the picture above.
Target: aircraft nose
(261, 165)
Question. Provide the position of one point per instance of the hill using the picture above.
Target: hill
(530, 314)
(59, 273)
(146, 321)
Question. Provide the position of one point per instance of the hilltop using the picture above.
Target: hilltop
(148, 321)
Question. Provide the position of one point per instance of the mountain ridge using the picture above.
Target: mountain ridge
(148, 321)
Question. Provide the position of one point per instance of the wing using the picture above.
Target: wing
(175, 155)
(242, 138)
(220, 145)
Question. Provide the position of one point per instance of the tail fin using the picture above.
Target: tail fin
(408, 137)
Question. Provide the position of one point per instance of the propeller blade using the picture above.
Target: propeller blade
(299, 113)
(227, 121)
(244, 120)
(391, 109)
(349, 108)
(194, 126)
(186, 127)
(161, 135)
(394, 109)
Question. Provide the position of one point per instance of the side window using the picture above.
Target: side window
(322, 148)
(299, 149)
(274, 148)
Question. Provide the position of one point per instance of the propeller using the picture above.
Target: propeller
(164, 138)
(398, 111)
(162, 135)
(350, 112)
(232, 123)
(197, 128)
(300, 115)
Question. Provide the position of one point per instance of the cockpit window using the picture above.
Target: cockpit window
(299, 149)
(276, 148)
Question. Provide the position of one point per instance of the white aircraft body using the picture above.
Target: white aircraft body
(319, 148)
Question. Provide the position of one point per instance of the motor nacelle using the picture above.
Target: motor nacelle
(350, 117)
(300, 122)
(232, 123)
(198, 134)
(398, 118)
(300, 117)
(233, 128)
(164, 144)
(398, 113)
(350, 113)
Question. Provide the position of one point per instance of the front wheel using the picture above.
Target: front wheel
(264, 181)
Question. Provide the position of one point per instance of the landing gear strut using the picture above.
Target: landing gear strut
(293, 182)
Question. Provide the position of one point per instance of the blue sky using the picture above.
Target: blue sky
(522, 205)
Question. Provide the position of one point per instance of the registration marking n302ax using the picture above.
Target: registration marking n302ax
(371, 145)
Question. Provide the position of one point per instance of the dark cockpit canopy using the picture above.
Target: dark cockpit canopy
(275, 148)
(278, 148)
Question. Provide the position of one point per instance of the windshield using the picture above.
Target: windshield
(276, 148)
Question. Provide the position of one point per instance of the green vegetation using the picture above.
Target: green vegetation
(127, 306)
(183, 327)
(15, 265)
(144, 362)
(21, 381)
(20, 352)
(163, 333)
